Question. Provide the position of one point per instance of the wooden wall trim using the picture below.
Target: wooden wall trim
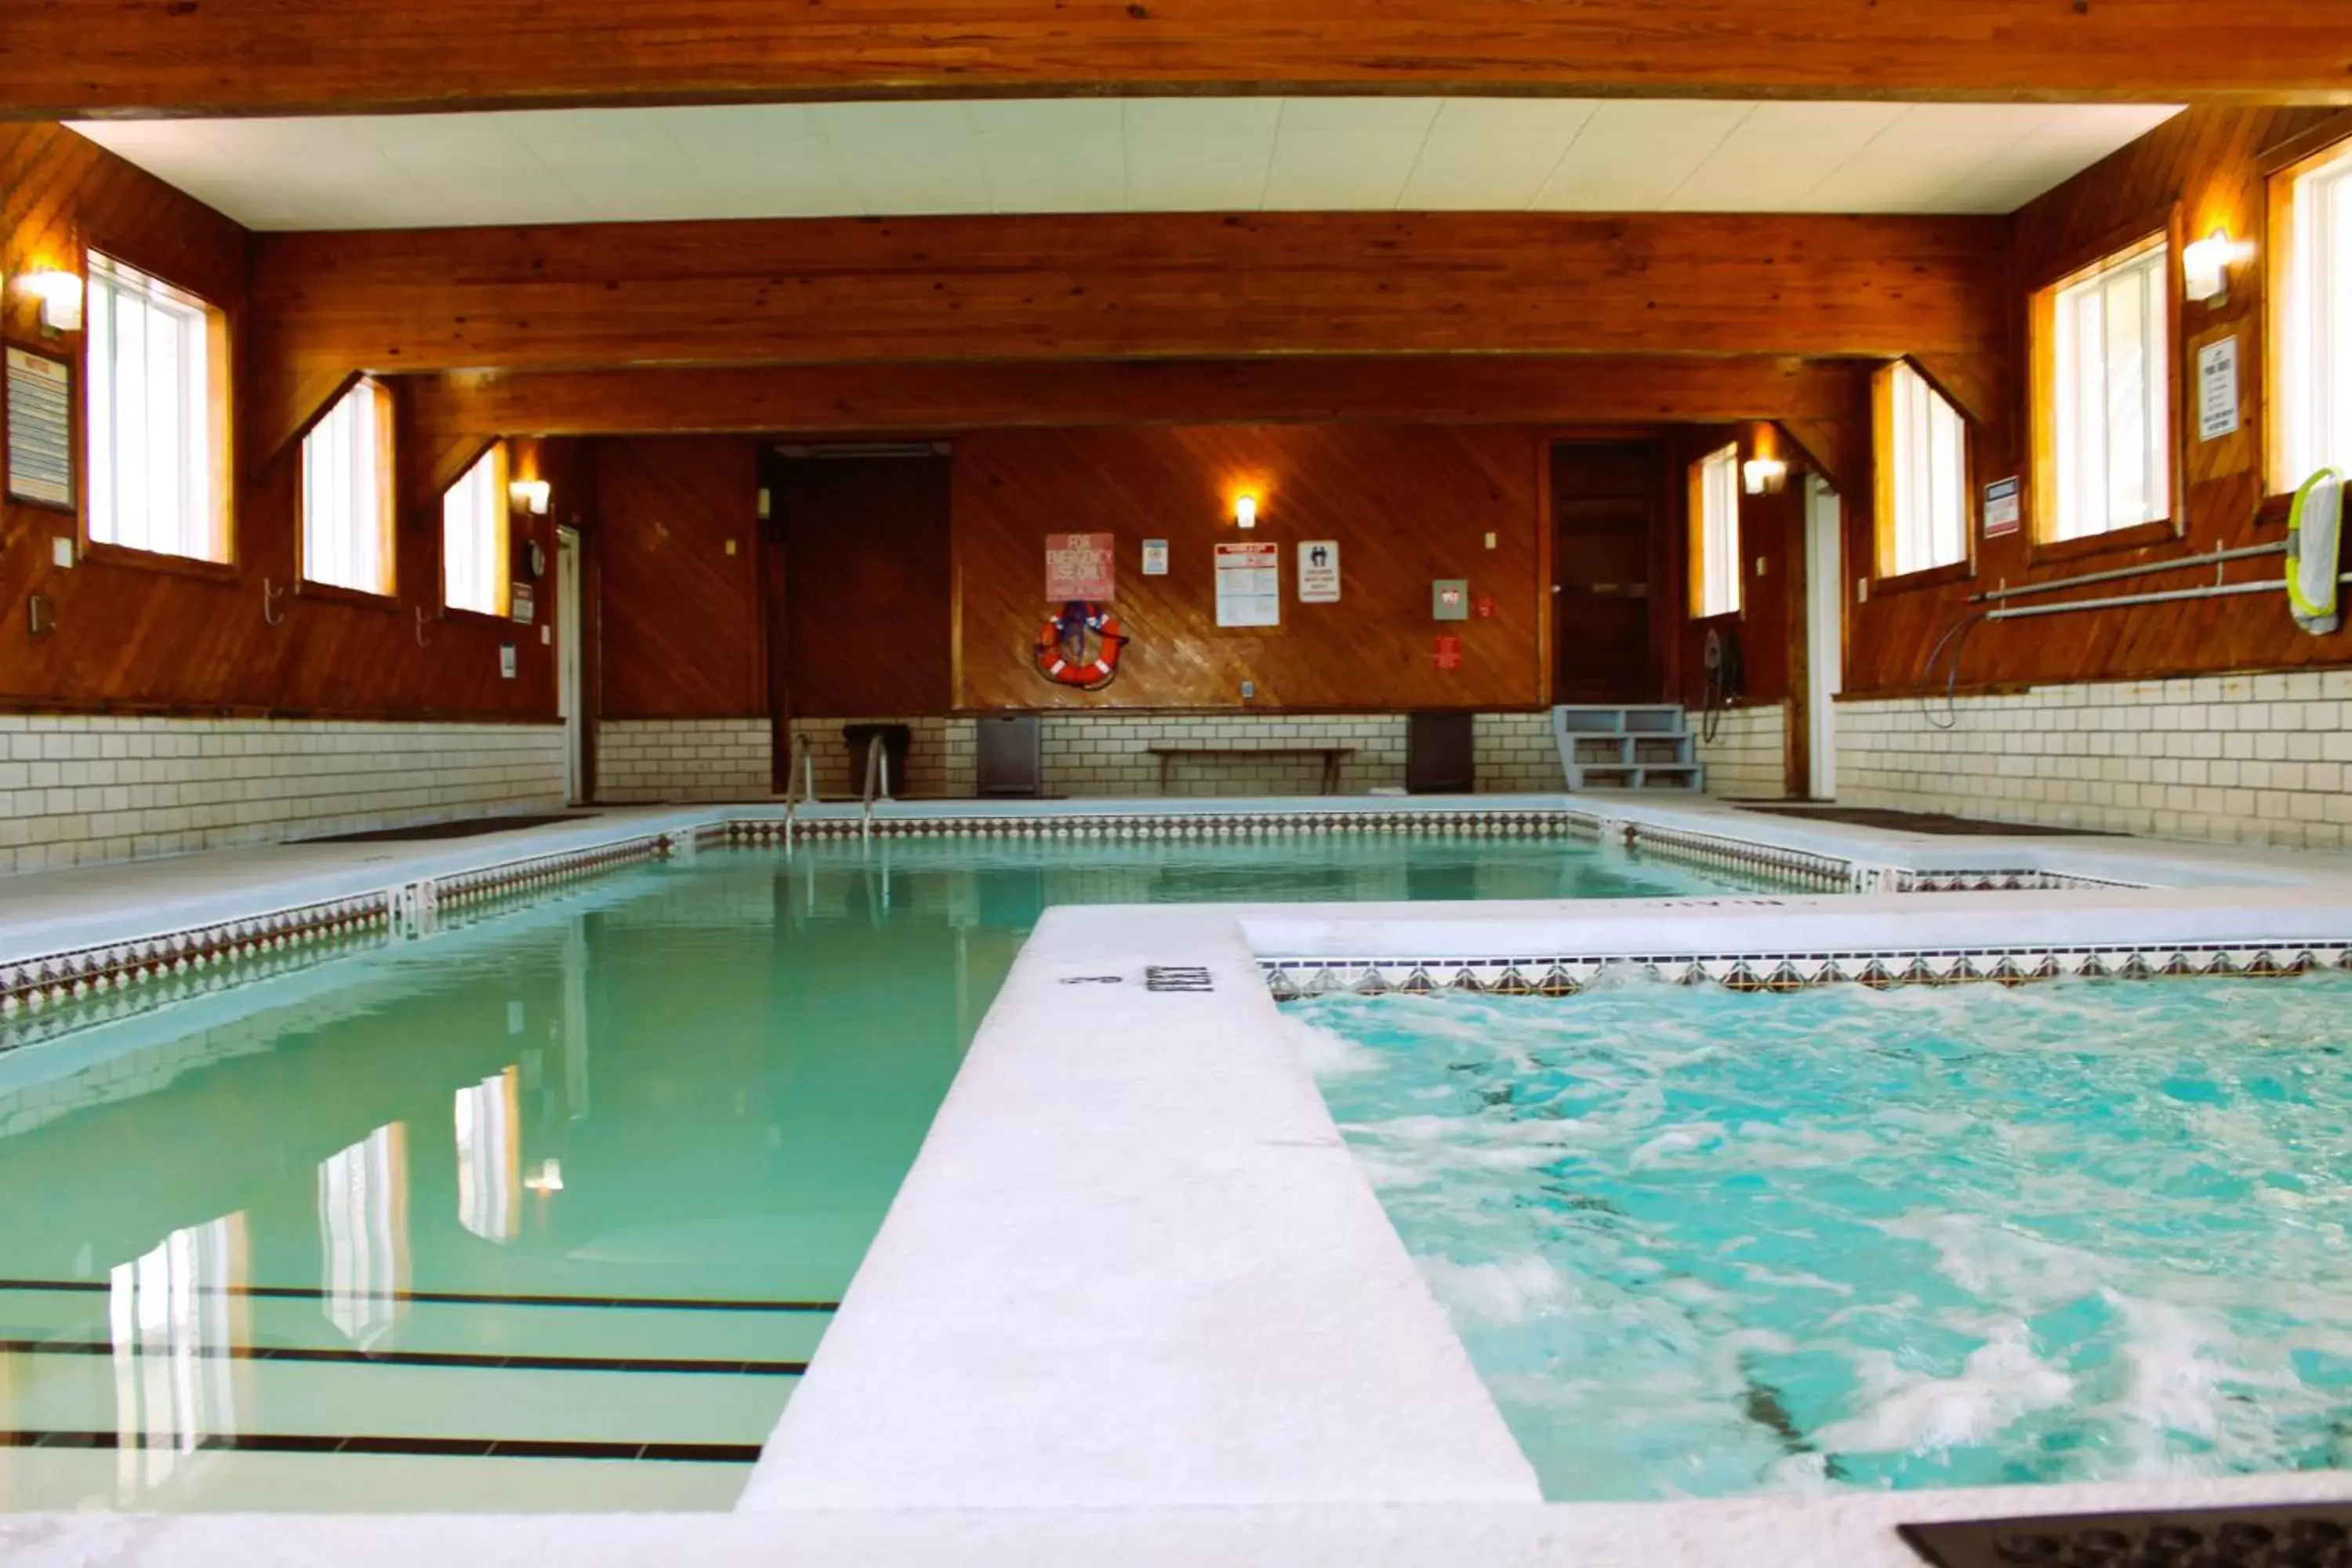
(1154, 286)
(281, 57)
(899, 400)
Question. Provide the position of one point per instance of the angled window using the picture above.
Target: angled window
(1923, 475)
(2103, 431)
(473, 537)
(1714, 533)
(156, 416)
(2314, 373)
(347, 493)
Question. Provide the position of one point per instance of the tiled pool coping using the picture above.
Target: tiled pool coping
(1110, 1318)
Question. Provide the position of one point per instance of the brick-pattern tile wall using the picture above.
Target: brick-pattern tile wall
(644, 759)
(942, 758)
(2246, 759)
(1108, 753)
(1746, 759)
(83, 789)
(1515, 754)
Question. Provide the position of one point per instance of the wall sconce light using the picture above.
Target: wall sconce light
(1246, 511)
(2205, 267)
(530, 495)
(60, 297)
(1764, 476)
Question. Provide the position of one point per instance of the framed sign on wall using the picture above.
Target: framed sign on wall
(40, 429)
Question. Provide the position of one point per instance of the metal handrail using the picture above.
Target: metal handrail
(802, 751)
(2119, 574)
(877, 769)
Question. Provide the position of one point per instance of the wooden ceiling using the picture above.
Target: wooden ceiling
(71, 58)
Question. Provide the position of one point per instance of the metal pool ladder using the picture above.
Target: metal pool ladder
(800, 783)
(877, 773)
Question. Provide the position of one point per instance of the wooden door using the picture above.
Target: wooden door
(1606, 509)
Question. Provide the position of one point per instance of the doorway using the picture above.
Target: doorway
(568, 704)
(1824, 631)
(1607, 506)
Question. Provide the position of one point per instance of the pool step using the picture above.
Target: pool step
(1643, 746)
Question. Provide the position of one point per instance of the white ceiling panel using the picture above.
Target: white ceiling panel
(1775, 156)
(1631, 156)
(1171, 154)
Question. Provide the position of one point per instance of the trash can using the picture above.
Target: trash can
(896, 739)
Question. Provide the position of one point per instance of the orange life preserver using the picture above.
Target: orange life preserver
(1061, 648)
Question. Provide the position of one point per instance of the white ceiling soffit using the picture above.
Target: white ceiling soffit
(1166, 154)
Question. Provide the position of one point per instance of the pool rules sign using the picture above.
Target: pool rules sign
(1318, 572)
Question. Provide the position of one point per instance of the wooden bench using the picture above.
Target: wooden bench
(1332, 757)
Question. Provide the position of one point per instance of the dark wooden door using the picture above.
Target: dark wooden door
(1606, 507)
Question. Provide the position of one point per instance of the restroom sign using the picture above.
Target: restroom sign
(1079, 566)
(1318, 572)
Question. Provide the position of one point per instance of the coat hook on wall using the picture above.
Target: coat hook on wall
(420, 627)
(270, 596)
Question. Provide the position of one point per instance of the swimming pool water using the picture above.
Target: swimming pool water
(581, 1180)
(1701, 1242)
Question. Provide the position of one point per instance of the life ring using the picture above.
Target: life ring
(1062, 645)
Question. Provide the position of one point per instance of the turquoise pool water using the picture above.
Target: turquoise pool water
(550, 1211)
(1701, 1243)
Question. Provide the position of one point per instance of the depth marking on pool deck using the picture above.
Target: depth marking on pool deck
(454, 1297)
(478, 1361)
(439, 1447)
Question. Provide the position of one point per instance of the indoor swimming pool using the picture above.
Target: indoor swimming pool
(551, 1210)
(1701, 1242)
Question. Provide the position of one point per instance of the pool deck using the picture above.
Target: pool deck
(1135, 1303)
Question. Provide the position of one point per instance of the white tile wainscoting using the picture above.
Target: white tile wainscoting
(1747, 759)
(644, 760)
(81, 789)
(2240, 759)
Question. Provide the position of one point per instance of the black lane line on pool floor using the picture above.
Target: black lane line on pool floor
(451, 1298)
(437, 1448)
(477, 1361)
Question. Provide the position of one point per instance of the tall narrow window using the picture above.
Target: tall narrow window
(2315, 340)
(474, 538)
(1714, 533)
(347, 493)
(1923, 475)
(156, 416)
(2106, 447)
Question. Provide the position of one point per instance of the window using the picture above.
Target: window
(156, 416)
(1923, 476)
(347, 493)
(2314, 368)
(2102, 370)
(1714, 533)
(474, 538)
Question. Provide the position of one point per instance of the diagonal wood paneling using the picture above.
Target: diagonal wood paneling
(933, 398)
(314, 55)
(2206, 161)
(681, 621)
(147, 637)
(1116, 285)
(867, 592)
(1408, 505)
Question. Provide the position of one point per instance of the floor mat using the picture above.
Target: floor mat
(1923, 822)
(466, 829)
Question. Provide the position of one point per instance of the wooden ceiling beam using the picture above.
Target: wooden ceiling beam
(73, 59)
(1180, 285)
(904, 400)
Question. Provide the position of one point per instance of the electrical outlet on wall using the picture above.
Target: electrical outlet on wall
(61, 551)
(1249, 690)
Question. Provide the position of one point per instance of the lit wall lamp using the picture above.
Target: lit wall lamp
(1246, 511)
(1764, 476)
(60, 297)
(2205, 267)
(530, 495)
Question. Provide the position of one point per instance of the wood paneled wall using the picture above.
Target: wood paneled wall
(1407, 505)
(1149, 286)
(2205, 162)
(307, 56)
(146, 636)
(683, 634)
